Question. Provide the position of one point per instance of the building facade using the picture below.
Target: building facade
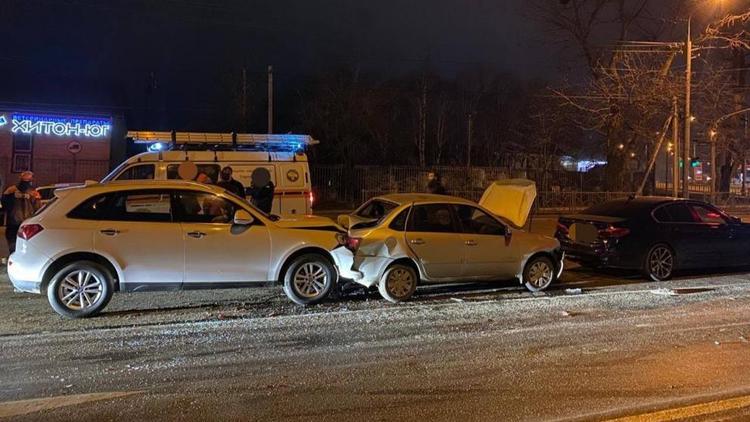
(59, 147)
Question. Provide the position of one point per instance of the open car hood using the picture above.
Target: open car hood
(510, 199)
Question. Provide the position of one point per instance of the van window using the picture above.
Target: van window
(138, 172)
(211, 170)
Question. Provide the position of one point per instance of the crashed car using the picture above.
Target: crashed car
(402, 240)
(93, 240)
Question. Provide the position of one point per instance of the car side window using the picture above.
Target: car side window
(138, 172)
(154, 206)
(433, 218)
(203, 207)
(662, 215)
(475, 221)
(708, 214)
(211, 170)
(680, 213)
(399, 223)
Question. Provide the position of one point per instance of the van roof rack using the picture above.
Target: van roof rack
(206, 141)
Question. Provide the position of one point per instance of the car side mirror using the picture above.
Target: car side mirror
(508, 235)
(243, 218)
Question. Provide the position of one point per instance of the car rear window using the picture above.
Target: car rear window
(376, 209)
(621, 209)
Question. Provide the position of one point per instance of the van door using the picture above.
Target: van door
(293, 188)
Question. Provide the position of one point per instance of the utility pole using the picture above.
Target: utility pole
(688, 81)
(676, 146)
(270, 99)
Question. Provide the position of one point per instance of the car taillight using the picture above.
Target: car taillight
(351, 243)
(27, 231)
(612, 232)
(311, 198)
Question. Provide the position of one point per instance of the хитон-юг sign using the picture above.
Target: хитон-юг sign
(60, 126)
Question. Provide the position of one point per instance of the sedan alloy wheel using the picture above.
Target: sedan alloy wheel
(660, 263)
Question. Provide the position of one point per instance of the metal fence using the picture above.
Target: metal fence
(351, 185)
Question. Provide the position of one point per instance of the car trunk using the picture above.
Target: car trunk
(585, 237)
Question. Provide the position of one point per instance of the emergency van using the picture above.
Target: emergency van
(282, 155)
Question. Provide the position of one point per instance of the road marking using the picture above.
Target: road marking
(692, 411)
(23, 407)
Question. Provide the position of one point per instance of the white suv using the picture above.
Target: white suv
(143, 236)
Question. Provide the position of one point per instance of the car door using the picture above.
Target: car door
(136, 229)
(216, 250)
(693, 241)
(432, 234)
(718, 235)
(488, 254)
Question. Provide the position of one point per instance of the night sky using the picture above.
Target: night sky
(182, 56)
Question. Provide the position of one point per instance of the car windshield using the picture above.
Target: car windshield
(376, 209)
(621, 208)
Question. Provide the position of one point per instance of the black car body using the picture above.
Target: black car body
(647, 233)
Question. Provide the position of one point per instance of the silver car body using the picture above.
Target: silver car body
(442, 257)
(145, 255)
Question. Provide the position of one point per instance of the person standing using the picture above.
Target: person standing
(20, 202)
(230, 184)
(262, 189)
(435, 184)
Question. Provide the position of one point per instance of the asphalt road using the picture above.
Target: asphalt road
(620, 348)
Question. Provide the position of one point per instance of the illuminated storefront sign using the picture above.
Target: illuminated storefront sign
(3, 121)
(60, 126)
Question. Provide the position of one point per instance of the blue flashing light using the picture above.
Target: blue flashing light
(157, 146)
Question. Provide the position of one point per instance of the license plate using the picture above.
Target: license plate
(583, 233)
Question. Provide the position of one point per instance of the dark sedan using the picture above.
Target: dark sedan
(655, 235)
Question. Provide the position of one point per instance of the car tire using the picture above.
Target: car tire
(539, 273)
(80, 289)
(398, 284)
(659, 263)
(309, 279)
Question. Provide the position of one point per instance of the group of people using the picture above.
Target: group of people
(261, 187)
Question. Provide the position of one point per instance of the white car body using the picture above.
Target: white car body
(148, 246)
(439, 257)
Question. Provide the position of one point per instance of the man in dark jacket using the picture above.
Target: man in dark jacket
(20, 202)
(229, 183)
(434, 184)
(261, 189)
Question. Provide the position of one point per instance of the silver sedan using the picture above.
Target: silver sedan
(402, 240)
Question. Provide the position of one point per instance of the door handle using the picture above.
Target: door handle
(470, 243)
(417, 242)
(196, 235)
(109, 232)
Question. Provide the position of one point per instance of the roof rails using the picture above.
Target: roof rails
(224, 141)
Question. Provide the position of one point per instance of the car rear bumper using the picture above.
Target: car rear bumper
(26, 267)
(596, 256)
(344, 260)
(26, 286)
